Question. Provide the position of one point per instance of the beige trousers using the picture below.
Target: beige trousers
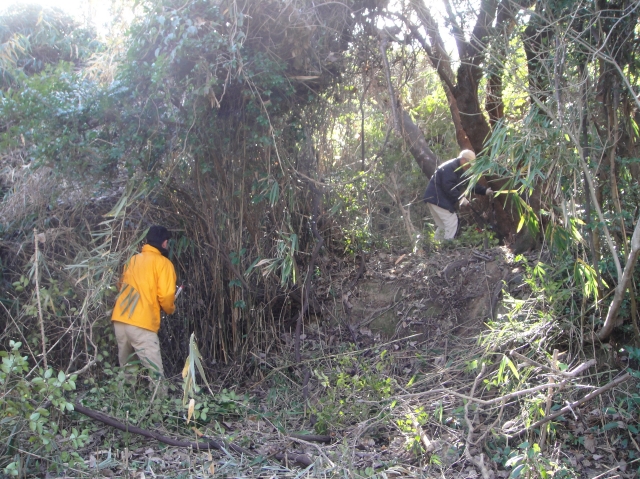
(446, 222)
(144, 343)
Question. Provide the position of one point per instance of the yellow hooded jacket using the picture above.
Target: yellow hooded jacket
(148, 283)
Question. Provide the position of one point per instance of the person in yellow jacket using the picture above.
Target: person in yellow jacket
(148, 284)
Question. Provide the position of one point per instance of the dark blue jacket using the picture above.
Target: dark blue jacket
(447, 185)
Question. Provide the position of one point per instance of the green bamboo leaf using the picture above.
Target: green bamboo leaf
(274, 193)
(286, 271)
(513, 461)
(253, 265)
(512, 366)
(200, 368)
(500, 376)
(115, 212)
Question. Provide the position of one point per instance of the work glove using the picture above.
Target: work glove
(464, 201)
(488, 192)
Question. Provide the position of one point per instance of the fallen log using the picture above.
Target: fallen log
(203, 445)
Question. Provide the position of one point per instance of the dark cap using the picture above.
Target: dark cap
(157, 235)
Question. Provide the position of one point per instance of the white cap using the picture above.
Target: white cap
(467, 155)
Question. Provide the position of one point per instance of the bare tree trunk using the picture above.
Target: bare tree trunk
(315, 212)
(621, 288)
(424, 156)
(634, 168)
(493, 102)
(584, 138)
(365, 87)
(387, 72)
(466, 107)
(405, 126)
(614, 137)
(445, 75)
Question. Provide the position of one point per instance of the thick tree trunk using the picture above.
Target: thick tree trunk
(614, 136)
(446, 76)
(463, 95)
(472, 119)
(493, 103)
(584, 140)
(472, 55)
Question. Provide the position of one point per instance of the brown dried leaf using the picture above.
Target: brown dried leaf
(192, 406)
(366, 332)
(590, 444)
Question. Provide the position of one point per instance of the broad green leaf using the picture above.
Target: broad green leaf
(513, 460)
(517, 471)
(610, 425)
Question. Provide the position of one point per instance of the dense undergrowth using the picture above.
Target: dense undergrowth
(415, 405)
(254, 137)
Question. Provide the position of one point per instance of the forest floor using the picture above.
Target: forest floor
(392, 384)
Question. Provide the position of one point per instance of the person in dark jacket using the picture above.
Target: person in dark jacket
(445, 190)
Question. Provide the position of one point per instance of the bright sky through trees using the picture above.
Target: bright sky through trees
(90, 12)
(98, 13)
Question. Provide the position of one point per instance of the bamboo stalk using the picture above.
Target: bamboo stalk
(40, 317)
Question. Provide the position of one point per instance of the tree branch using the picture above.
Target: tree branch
(569, 407)
(621, 288)
(110, 421)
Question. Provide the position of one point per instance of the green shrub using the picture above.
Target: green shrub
(32, 402)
